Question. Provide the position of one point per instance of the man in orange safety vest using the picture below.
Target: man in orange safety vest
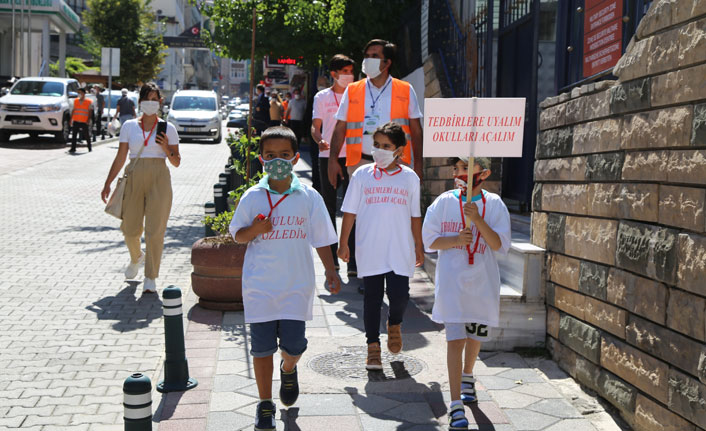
(80, 117)
(368, 104)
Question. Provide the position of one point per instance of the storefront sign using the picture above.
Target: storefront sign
(482, 127)
(603, 34)
(57, 8)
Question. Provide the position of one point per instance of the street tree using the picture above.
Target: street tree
(73, 65)
(309, 31)
(130, 26)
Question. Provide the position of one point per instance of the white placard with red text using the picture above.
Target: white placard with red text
(479, 127)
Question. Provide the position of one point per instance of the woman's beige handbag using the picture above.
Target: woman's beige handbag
(115, 203)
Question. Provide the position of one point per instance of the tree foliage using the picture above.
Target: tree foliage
(128, 25)
(310, 31)
(74, 65)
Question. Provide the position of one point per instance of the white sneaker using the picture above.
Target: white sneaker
(149, 286)
(133, 268)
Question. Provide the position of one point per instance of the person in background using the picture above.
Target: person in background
(262, 110)
(275, 109)
(296, 111)
(148, 192)
(125, 109)
(326, 103)
(285, 104)
(368, 104)
(80, 117)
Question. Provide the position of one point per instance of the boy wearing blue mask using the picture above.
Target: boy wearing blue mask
(280, 219)
(467, 233)
(383, 200)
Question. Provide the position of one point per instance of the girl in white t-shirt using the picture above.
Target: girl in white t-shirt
(467, 296)
(383, 200)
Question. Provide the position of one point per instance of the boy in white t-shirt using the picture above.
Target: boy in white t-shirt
(467, 295)
(280, 219)
(383, 200)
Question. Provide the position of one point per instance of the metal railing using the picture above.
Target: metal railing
(464, 49)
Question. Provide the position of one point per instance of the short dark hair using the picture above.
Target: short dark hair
(147, 88)
(260, 87)
(394, 132)
(279, 132)
(339, 61)
(483, 162)
(389, 49)
(82, 90)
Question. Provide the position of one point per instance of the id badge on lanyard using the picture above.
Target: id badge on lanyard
(371, 123)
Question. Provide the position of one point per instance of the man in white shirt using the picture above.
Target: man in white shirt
(326, 103)
(372, 106)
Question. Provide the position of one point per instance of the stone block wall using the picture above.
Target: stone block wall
(619, 204)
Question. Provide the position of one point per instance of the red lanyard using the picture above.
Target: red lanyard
(463, 220)
(375, 172)
(336, 99)
(272, 207)
(151, 130)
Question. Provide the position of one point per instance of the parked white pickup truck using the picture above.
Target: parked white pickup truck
(39, 105)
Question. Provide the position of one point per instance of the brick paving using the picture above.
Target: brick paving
(73, 329)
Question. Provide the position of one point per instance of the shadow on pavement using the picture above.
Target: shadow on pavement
(416, 405)
(129, 312)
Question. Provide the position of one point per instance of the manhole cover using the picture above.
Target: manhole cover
(349, 363)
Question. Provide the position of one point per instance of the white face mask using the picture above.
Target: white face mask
(321, 87)
(297, 96)
(371, 67)
(344, 80)
(149, 107)
(383, 158)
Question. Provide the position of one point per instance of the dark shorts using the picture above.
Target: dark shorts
(264, 335)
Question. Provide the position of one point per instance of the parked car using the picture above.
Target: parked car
(195, 115)
(38, 105)
(238, 117)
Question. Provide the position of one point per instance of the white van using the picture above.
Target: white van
(195, 115)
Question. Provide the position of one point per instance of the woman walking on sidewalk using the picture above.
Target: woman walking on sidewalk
(148, 192)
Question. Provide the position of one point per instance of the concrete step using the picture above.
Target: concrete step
(522, 306)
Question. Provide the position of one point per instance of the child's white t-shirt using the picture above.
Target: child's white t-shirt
(132, 133)
(383, 205)
(466, 293)
(278, 271)
(326, 104)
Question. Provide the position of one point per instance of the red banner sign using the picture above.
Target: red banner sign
(603, 34)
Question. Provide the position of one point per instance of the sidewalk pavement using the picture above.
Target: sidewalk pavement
(337, 393)
(72, 329)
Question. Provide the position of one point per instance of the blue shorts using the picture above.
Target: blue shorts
(264, 335)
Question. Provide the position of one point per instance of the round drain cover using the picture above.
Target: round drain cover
(349, 363)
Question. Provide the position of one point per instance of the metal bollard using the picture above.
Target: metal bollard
(229, 178)
(137, 402)
(210, 211)
(176, 367)
(224, 180)
(220, 198)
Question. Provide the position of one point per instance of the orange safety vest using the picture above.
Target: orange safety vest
(81, 111)
(399, 113)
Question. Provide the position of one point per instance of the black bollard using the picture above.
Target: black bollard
(137, 403)
(223, 180)
(229, 178)
(219, 198)
(176, 367)
(210, 210)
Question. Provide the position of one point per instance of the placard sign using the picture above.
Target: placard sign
(479, 127)
(602, 35)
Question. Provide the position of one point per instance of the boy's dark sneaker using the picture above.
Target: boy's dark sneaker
(468, 390)
(265, 416)
(289, 386)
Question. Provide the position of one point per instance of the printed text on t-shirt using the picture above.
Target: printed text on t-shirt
(385, 195)
(295, 232)
(455, 227)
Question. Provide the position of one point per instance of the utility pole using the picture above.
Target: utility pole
(252, 84)
(29, 40)
(14, 37)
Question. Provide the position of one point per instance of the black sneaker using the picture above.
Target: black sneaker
(289, 386)
(265, 416)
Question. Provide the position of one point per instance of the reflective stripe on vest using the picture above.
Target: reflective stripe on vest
(399, 113)
(81, 111)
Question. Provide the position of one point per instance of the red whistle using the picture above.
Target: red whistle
(261, 217)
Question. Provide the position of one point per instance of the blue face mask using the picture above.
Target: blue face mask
(279, 169)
